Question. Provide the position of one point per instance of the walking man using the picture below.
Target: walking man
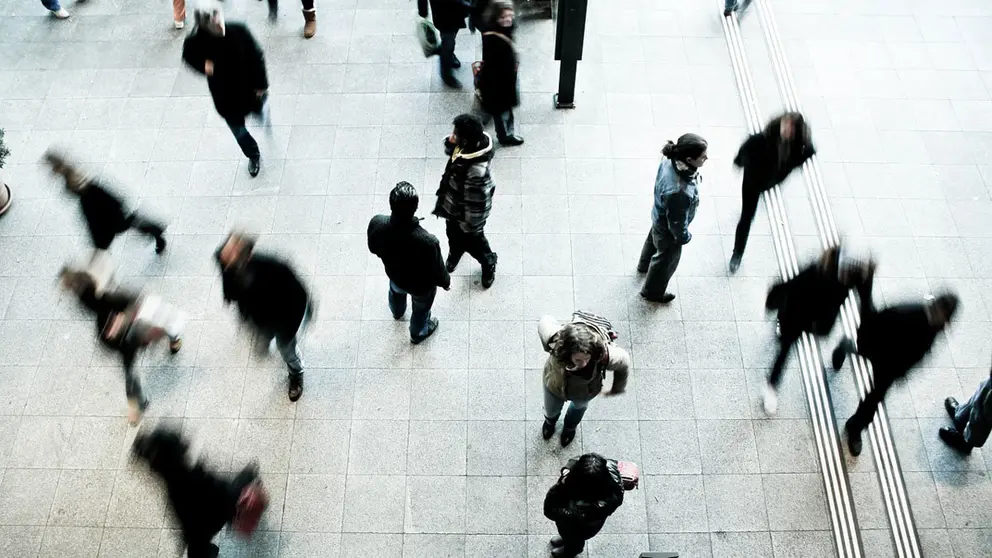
(972, 421)
(229, 56)
(894, 340)
(270, 296)
(413, 261)
(465, 195)
(449, 16)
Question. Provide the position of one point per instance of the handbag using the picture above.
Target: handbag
(248, 513)
(427, 34)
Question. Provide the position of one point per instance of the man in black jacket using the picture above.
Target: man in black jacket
(413, 260)
(449, 16)
(235, 68)
(894, 340)
(104, 212)
(270, 296)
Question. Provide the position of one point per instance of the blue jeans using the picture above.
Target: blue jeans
(420, 316)
(52, 5)
(729, 4)
(974, 432)
(553, 405)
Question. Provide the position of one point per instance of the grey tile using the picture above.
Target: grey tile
(82, 498)
(437, 447)
(95, 443)
(922, 494)
(305, 493)
(40, 442)
(496, 505)
(20, 541)
(374, 504)
(727, 447)
(796, 502)
(735, 503)
(959, 492)
(26, 496)
(496, 448)
(424, 546)
(496, 545)
(377, 447)
(712, 345)
(676, 504)
(136, 502)
(320, 446)
(129, 542)
(785, 446)
(305, 545)
(74, 541)
(689, 545)
(381, 394)
(435, 505)
(720, 394)
(805, 543)
(266, 442)
(663, 394)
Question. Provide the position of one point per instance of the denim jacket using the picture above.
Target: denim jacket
(675, 202)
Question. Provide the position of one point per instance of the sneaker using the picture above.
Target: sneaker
(254, 165)
(951, 406)
(735, 263)
(548, 429)
(135, 409)
(61, 13)
(179, 24)
(770, 401)
(431, 328)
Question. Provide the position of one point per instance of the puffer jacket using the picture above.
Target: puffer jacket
(577, 517)
(465, 194)
(675, 202)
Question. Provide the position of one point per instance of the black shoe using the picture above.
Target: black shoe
(548, 429)
(254, 165)
(510, 141)
(398, 317)
(840, 353)
(557, 541)
(295, 387)
(951, 405)
(854, 442)
(562, 552)
(431, 328)
(159, 245)
(455, 62)
(567, 435)
(954, 439)
(452, 82)
(488, 275)
(664, 299)
(735, 263)
(452, 262)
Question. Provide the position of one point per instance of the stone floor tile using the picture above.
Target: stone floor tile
(735, 503)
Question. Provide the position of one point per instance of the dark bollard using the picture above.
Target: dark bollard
(570, 29)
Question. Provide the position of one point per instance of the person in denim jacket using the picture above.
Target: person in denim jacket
(676, 196)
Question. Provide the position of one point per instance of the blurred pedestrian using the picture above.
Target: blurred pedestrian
(498, 88)
(810, 303)
(676, 196)
(579, 354)
(270, 296)
(894, 340)
(179, 13)
(309, 16)
(585, 495)
(449, 16)
(104, 212)
(972, 421)
(56, 8)
(465, 195)
(740, 6)
(767, 159)
(413, 261)
(229, 56)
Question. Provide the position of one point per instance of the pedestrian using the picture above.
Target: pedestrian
(448, 16)
(585, 495)
(676, 196)
(309, 16)
(972, 421)
(767, 159)
(56, 8)
(270, 296)
(104, 212)
(735, 6)
(229, 56)
(894, 340)
(465, 195)
(579, 354)
(127, 323)
(810, 303)
(413, 261)
(179, 13)
(497, 85)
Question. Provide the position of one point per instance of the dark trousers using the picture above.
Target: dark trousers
(476, 244)
(863, 416)
(504, 124)
(749, 206)
(421, 314)
(247, 143)
(132, 387)
(145, 226)
(787, 338)
(659, 258)
(446, 53)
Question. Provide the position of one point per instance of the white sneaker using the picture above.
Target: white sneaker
(771, 401)
(179, 24)
(61, 13)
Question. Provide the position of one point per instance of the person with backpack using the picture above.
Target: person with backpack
(579, 354)
(768, 158)
(972, 420)
(496, 85)
(449, 16)
(586, 494)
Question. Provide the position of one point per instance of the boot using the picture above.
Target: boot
(951, 406)
(854, 442)
(548, 428)
(954, 439)
(489, 274)
(310, 23)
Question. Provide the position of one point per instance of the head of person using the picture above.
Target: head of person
(687, 154)
(941, 309)
(236, 250)
(75, 280)
(58, 163)
(577, 346)
(403, 202)
(468, 131)
(591, 477)
(790, 126)
(500, 14)
(850, 270)
(209, 16)
(162, 449)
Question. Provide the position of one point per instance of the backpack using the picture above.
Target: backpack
(251, 504)
(597, 322)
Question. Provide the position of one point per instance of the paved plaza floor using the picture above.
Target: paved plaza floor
(435, 450)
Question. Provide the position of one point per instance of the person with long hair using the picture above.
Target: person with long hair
(676, 196)
(586, 494)
(498, 89)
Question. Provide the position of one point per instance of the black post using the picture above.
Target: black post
(569, 36)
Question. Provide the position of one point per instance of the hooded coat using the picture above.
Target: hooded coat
(465, 194)
(239, 68)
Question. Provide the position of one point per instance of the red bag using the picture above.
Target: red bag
(252, 503)
(629, 474)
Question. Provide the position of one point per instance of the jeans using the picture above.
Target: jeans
(132, 387)
(52, 5)
(504, 124)
(553, 405)
(476, 244)
(446, 53)
(660, 257)
(749, 206)
(288, 346)
(420, 317)
(237, 125)
(974, 432)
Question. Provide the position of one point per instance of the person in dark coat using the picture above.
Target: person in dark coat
(894, 340)
(229, 56)
(270, 296)
(413, 260)
(767, 159)
(810, 303)
(972, 420)
(448, 16)
(497, 84)
(581, 501)
(104, 212)
(465, 195)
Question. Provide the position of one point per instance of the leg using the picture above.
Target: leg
(178, 11)
(273, 9)
(456, 244)
(662, 267)
(478, 246)
(749, 206)
(785, 345)
(863, 416)
(552, 406)
(245, 141)
(963, 413)
(420, 317)
(290, 352)
(574, 414)
(500, 124)
(397, 301)
(844, 348)
(51, 5)
(150, 228)
(647, 251)
(729, 6)
(446, 56)
(136, 400)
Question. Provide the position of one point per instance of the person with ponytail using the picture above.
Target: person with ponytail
(676, 196)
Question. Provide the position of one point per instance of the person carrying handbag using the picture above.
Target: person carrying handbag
(586, 494)
(496, 81)
(449, 16)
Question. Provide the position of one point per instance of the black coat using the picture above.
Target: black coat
(580, 518)
(811, 301)
(105, 306)
(448, 15)
(239, 68)
(412, 255)
(104, 213)
(759, 157)
(895, 339)
(498, 80)
(269, 294)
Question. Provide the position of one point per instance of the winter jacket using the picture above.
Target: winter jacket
(498, 79)
(585, 384)
(477, 15)
(105, 214)
(239, 68)
(979, 425)
(105, 306)
(811, 301)
(896, 338)
(759, 157)
(578, 518)
(448, 15)
(675, 202)
(412, 255)
(268, 294)
(465, 194)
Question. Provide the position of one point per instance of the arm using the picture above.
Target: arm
(745, 153)
(676, 215)
(479, 190)
(618, 360)
(193, 54)
(557, 506)
(443, 277)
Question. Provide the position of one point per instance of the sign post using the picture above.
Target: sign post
(570, 28)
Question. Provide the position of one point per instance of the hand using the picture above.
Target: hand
(447, 288)
(261, 93)
(208, 68)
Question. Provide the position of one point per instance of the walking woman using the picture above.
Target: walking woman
(497, 86)
(579, 503)
(676, 196)
(767, 159)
